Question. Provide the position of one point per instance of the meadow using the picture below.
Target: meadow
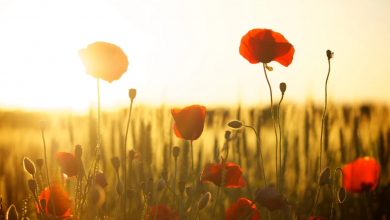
(350, 131)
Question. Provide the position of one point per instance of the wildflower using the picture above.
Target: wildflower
(237, 210)
(104, 61)
(162, 213)
(361, 175)
(68, 163)
(265, 45)
(29, 166)
(270, 199)
(62, 202)
(213, 173)
(189, 122)
(204, 200)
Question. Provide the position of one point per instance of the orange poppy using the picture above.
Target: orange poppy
(104, 61)
(361, 175)
(213, 173)
(163, 213)
(68, 163)
(237, 210)
(189, 122)
(265, 45)
(62, 202)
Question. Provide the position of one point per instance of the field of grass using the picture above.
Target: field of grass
(349, 132)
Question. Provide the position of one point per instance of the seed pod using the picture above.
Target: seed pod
(101, 179)
(32, 185)
(176, 151)
(78, 151)
(43, 203)
(189, 191)
(164, 175)
(119, 187)
(39, 163)
(324, 177)
(12, 213)
(29, 166)
(235, 124)
(42, 124)
(130, 193)
(132, 93)
(143, 186)
(182, 186)
(204, 200)
(283, 87)
(131, 154)
(329, 54)
(115, 163)
(160, 184)
(227, 134)
(149, 184)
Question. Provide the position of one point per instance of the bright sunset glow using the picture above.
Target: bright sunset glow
(187, 52)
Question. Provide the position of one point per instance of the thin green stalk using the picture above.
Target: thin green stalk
(192, 177)
(334, 190)
(280, 147)
(47, 173)
(322, 129)
(261, 154)
(216, 201)
(197, 213)
(155, 214)
(98, 124)
(273, 122)
(125, 158)
(174, 195)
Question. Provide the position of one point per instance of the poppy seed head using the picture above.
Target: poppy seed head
(235, 124)
(42, 124)
(182, 186)
(283, 87)
(132, 93)
(101, 179)
(176, 151)
(119, 187)
(78, 151)
(39, 163)
(32, 185)
(227, 134)
(143, 186)
(115, 163)
(329, 54)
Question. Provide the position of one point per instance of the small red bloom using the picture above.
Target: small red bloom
(189, 122)
(62, 201)
(317, 218)
(104, 61)
(213, 173)
(361, 174)
(265, 45)
(237, 210)
(68, 163)
(163, 213)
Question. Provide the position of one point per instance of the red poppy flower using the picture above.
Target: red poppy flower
(68, 163)
(213, 173)
(265, 45)
(361, 175)
(163, 213)
(237, 210)
(62, 201)
(104, 61)
(317, 218)
(189, 122)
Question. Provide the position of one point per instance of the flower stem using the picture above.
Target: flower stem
(366, 205)
(98, 122)
(192, 177)
(125, 159)
(197, 214)
(273, 122)
(280, 147)
(174, 195)
(216, 201)
(47, 173)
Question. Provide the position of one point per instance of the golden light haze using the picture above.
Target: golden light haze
(186, 52)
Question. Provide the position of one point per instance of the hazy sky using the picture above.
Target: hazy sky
(186, 52)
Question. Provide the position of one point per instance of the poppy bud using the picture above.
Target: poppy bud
(329, 54)
(182, 186)
(42, 124)
(130, 193)
(204, 200)
(132, 93)
(43, 203)
(32, 185)
(119, 187)
(29, 166)
(115, 163)
(270, 199)
(283, 87)
(227, 134)
(160, 185)
(176, 151)
(189, 191)
(324, 177)
(96, 196)
(149, 184)
(12, 213)
(39, 163)
(164, 175)
(131, 154)
(101, 179)
(235, 124)
(143, 186)
(78, 151)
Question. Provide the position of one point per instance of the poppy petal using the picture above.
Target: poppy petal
(241, 207)
(361, 175)
(189, 122)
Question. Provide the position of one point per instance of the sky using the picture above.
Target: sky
(187, 52)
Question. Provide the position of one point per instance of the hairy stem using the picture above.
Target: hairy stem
(261, 154)
(125, 159)
(280, 147)
(216, 201)
(47, 173)
(174, 195)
